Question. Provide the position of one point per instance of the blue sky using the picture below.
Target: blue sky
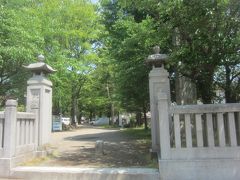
(94, 1)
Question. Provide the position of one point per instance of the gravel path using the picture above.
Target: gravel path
(77, 148)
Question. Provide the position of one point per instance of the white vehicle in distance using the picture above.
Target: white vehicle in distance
(101, 121)
(66, 120)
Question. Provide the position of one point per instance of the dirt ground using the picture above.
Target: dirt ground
(77, 148)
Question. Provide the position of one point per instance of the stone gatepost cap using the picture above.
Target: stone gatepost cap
(40, 66)
(156, 59)
(41, 58)
(11, 102)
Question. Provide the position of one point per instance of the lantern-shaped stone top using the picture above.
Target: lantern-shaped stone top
(40, 67)
(157, 59)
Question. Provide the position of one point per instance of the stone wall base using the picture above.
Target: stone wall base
(209, 169)
(6, 164)
(5, 167)
(68, 173)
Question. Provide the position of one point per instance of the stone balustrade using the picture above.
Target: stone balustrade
(199, 131)
(17, 131)
(199, 141)
(25, 130)
(192, 141)
(23, 135)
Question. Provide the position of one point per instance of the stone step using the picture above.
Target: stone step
(10, 179)
(69, 173)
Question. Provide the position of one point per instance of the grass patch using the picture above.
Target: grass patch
(138, 133)
(35, 161)
(109, 126)
(39, 160)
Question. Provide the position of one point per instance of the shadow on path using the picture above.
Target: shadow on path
(78, 149)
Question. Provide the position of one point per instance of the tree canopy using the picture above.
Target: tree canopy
(99, 50)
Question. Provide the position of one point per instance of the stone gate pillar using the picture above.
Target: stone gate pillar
(39, 99)
(158, 83)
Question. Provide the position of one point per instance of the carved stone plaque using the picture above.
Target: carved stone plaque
(35, 95)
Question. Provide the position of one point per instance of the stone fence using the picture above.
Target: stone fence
(24, 135)
(195, 141)
(200, 131)
(18, 133)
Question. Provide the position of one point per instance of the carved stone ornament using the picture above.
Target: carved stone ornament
(40, 66)
(35, 96)
(157, 59)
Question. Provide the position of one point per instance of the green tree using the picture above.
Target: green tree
(69, 29)
(200, 36)
(19, 42)
(204, 41)
(127, 44)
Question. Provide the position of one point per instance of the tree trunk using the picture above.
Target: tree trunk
(79, 117)
(205, 87)
(145, 117)
(228, 91)
(74, 107)
(111, 105)
(90, 116)
(138, 118)
(112, 113)
(186, 92)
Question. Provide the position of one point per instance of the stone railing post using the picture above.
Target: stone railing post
(163, 115)
(158, 82)
(10, 128)
(36, 126)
